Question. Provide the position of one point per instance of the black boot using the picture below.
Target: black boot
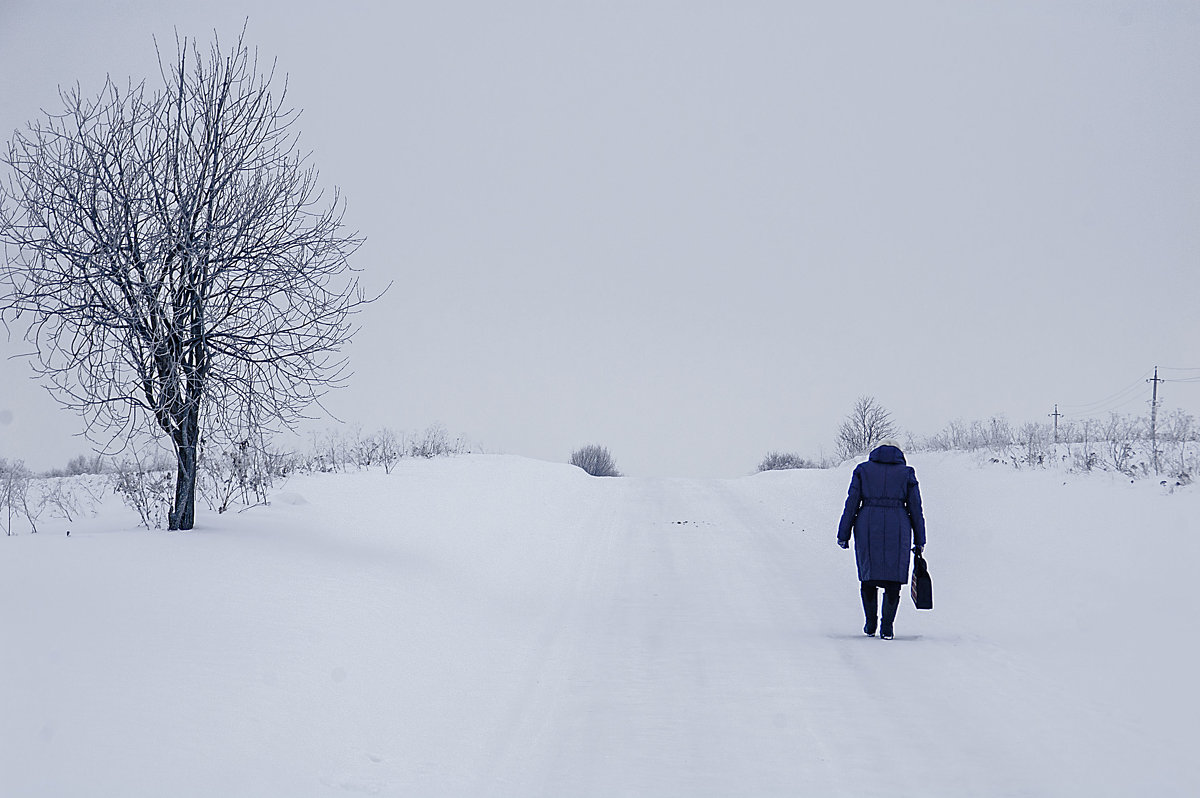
(891, 603)
(870, 600)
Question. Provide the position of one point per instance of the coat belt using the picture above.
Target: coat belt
(883, 503)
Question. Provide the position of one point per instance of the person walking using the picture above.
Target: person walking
(883, 510)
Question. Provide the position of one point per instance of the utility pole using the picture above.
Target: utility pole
(1056, 416)
(1154, 419)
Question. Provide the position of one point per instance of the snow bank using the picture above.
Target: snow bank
(499, 626)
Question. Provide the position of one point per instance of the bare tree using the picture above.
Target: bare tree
(178, 267)
(867, 424)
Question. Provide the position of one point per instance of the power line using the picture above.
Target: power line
(1133, 400)
(1130, 395)
(1121, 398)
(1182, 379)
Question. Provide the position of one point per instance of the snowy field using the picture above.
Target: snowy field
(495, 626)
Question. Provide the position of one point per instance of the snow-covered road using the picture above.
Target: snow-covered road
(493, 626)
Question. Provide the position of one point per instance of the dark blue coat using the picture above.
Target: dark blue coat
(883, 507)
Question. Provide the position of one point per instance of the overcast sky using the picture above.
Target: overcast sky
(696, 231)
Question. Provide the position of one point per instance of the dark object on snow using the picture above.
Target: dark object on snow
(883, 510)
(922, 586)
(883, 513)
(891, 603)
(870, 601)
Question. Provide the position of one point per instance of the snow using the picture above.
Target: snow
(496, 626)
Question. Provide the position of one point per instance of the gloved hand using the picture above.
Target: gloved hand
(918, 550)
(845, 544)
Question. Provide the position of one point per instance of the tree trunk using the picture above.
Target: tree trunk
(183, 511)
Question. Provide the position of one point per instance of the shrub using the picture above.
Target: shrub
(595, 460)
(434, 442)
(243, 472)
(61, 495)
(85, 465)
(336, 452)
(780, 461)
(147, 490)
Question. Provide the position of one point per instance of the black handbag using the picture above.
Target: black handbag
(922, 586)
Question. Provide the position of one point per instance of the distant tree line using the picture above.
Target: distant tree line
(1120, 443)
(242, 473)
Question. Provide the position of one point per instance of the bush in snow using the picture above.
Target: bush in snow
(595, 460)
(69, 497)
(241, 472)
(780, 461)
(1120, 436)
(434, 442)
(994, 434)
(146, 485)
(1037, 442)
(1179, 436)
(335, 451)
(78, 466)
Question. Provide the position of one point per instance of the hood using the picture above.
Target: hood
(888, 454)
